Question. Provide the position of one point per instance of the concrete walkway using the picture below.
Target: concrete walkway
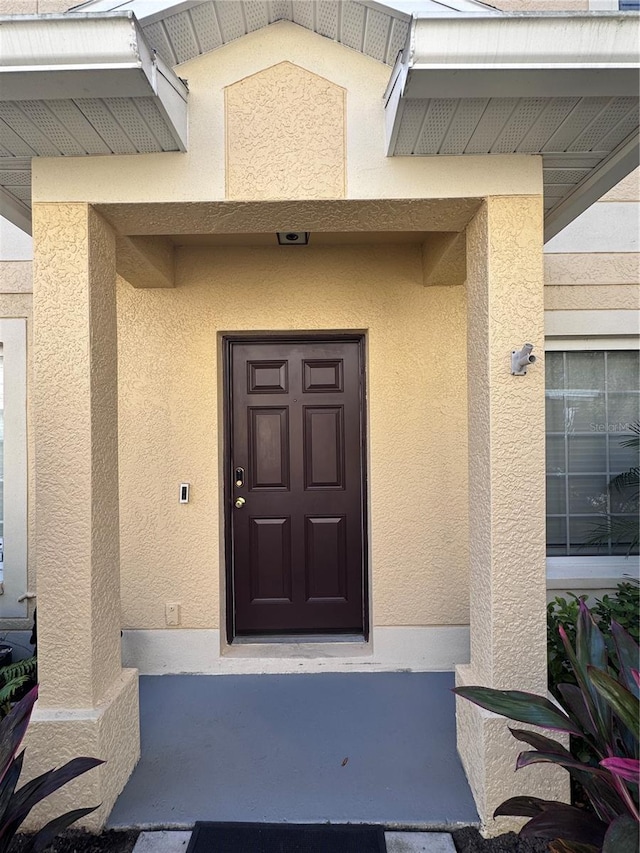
(340, 747)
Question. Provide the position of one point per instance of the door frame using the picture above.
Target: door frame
(227, 492)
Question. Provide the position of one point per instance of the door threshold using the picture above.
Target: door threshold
(289, 639)
(308, 646)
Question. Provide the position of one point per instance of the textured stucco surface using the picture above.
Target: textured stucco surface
(199, 174)
(110, 731)
(489, 754)
(145, 261)
(76, 433)
(585, 298)
(88, 704)
(31, 7)
(506, 484)
(285, 135)
(506, 415)
(170, 416)
(592, 268)
(627, 190)
(16, 277)
(541, 5)
(237, 217)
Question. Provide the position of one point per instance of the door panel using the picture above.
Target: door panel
(324, 447)
(297, 542)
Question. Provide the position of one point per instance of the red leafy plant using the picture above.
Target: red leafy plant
(602, 710)
(15, 805)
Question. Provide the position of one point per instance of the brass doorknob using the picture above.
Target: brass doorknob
(240, 502)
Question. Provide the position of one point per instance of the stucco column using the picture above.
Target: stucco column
(506, 495)
(88, 704)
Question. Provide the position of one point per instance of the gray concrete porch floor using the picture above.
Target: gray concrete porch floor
(340, 747)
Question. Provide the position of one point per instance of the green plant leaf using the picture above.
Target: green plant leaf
(9, 691)
(520, 706)
(623, 703)
(622, 836)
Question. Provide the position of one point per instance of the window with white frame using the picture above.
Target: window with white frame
(592, 405)
(13, 466)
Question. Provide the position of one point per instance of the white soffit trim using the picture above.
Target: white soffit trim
(80, 85)
(561, 86)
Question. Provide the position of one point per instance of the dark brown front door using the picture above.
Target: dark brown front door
(296, 486)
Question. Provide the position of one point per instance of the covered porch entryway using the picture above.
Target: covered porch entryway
(341, 747)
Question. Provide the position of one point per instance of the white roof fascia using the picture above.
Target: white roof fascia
(533, 41)
(87, 56)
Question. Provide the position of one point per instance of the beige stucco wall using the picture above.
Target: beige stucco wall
(285, 135)
(506, 498)
(85, 697)
(541, 5)
(31, 7)
(591, 278)
(170, 416)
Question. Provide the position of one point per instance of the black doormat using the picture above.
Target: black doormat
(285, 838)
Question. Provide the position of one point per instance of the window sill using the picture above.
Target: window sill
(590, 572)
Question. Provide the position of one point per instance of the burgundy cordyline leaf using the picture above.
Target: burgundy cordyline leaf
(623, 703)
(526, 759)
(13, 729)
(540, 742)
(574, 700)
(585, 688)
(45, 836)
(627, 768)
(567, 822)
(623, 836)
(636, 676)
(521, 706)
(522, 807)
(37, 789)
(628, 656)
(562, 846)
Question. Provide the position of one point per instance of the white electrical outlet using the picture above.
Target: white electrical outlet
(172, 613)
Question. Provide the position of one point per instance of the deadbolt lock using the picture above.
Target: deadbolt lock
(240, 502)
